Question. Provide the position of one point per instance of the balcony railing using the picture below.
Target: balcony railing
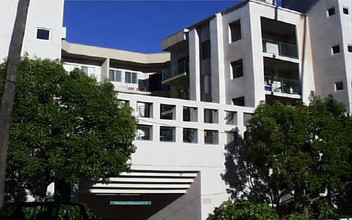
(282, 85)
(280, 48)
(173, 71)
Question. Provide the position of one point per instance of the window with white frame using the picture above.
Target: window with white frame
(88, 70)
(114, 75)
(131, 77)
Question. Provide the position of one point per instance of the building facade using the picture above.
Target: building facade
(191, 100)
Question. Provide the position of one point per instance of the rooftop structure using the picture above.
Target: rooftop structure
(190, 100)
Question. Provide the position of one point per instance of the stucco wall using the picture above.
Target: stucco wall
(42, 14)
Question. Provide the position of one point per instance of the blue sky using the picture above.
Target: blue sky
(133, 25)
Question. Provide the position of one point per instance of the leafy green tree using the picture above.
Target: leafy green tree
(65, 127)
(243, 210)
(301, 151)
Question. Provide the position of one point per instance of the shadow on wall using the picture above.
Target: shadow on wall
(243, 180)
(246, 182)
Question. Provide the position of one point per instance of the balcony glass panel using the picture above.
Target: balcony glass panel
(174, 70)
(283, 85)
(280, 48)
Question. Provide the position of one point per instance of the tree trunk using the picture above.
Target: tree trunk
(9, 88)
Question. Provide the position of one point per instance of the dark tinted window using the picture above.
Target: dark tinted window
(43, 34)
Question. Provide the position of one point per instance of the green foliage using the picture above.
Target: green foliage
(297, 217)
(243, 210)
(320, 209)
(65, 127)
(302, 150)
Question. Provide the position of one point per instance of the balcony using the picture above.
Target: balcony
(176, 72)
(282, 85)
(280, 48)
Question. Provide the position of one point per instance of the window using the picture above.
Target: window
(231, 118)
(246, 118)
(237, 69)
(345, 11)
(144, 132)
(124, 102)
(167, 112)
(235, 30)
(210, 116)
(338, 86)
(144, 109)
(335, 49)
(331, 12)
(182, 65)
(190, 135)
(190, 114)
(211, 137)
(43, 34)
(206, 84)
(205, 49)
(167, 134)
(131, 77)
(349, 48)
(115, 75)
(89, 71)
(230, 137)
(70, 67)
(239, 101)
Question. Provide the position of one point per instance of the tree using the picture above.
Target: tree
(243, 210)
(65, 127)
(296, 155)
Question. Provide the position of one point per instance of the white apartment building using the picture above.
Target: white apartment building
(189, 101)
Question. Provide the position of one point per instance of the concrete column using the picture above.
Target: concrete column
(156, 117)
(194, 65)
(217, 60)
(105, 70)
(253, 64)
